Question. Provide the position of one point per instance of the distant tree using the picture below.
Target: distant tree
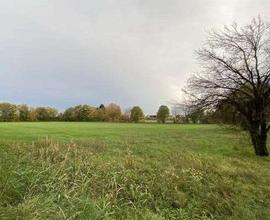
(46, 114)
(32, 115)
(101, 113)
(93, 114)
(136, 114)
(24, 113)
(82, 112)
(113, 112)
(163, 113)
(69, 114)
(196, 115)
(125, 117)
(102, 106)
(236, 71)
(8, 112)
(59, 116)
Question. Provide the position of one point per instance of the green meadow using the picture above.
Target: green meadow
(66, 170)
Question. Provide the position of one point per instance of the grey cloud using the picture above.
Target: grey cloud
(65, 52)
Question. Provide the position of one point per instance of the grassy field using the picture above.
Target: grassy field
(130, 171)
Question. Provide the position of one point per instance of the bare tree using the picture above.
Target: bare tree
(236, 70)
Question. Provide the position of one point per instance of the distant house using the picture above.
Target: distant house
(151, 117)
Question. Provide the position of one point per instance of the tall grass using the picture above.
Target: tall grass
(83, 180)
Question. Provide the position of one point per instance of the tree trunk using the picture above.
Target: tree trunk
(259, 138)
(259, 144)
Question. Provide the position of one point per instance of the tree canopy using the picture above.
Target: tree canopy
(136, 114)
(236, 70)
(163, 113)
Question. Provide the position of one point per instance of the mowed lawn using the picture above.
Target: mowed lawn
(60, 170)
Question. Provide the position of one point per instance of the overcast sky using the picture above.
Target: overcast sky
(132, 52)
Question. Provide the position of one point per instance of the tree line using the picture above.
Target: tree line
(110, 113)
